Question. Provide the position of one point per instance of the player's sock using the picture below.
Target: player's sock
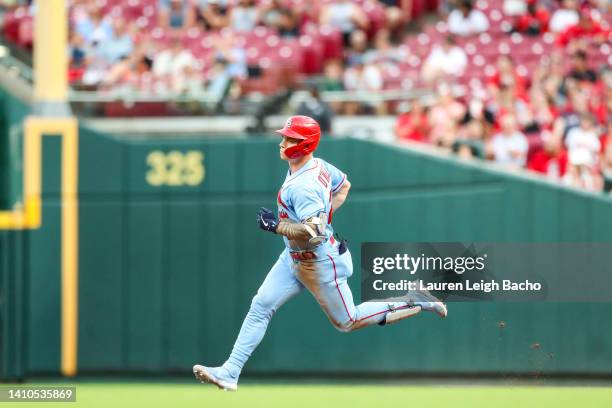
(369, 313)
(400, 313)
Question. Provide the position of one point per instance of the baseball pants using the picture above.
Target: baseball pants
(326, 280)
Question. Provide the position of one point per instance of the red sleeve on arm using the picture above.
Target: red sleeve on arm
(566, 36)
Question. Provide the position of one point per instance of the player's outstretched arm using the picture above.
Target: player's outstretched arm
(340, 196)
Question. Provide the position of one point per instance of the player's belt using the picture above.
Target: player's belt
(307, 255)
(303, 255)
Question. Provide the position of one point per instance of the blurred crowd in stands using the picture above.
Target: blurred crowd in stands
(543, 100)
(525, 83)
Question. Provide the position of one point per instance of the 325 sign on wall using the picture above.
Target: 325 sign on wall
(175, 168)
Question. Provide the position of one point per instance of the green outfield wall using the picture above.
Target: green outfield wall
(13, 244)
(13, 254)
(170, 257)
(12, 112)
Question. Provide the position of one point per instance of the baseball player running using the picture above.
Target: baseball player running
(312, 259)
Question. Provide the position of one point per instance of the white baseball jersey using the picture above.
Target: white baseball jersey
(308, 193)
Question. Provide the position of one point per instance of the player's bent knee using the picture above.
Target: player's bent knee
(345, 326)
(263, 306)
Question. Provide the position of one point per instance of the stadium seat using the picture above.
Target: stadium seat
(313, 54)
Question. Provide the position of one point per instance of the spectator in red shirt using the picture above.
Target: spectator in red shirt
(534, 22)
(412, 125)
(551, 159)
(506, 76)
(586, 27)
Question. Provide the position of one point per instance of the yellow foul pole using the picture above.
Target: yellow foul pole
(50, 52)
(53, 117)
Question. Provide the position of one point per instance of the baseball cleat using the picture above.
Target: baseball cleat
(218, 376)
(427, 301)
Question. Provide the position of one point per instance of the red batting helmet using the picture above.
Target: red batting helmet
(304, 128)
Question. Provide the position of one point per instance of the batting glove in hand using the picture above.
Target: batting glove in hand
(267, 220)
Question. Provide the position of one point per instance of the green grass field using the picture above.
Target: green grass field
(158, 394)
